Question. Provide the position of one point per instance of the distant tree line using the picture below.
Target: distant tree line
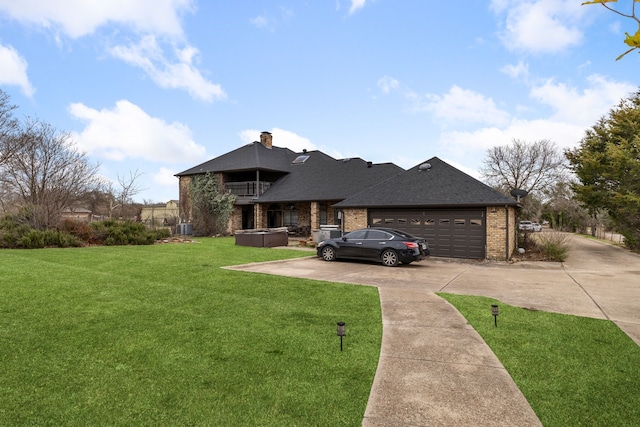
(594, 185)
(43, 173)
(41, 170)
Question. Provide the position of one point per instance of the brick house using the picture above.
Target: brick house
(459, 215)
(160, 214)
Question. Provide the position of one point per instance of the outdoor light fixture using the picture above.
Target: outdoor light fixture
(494, 311)
(341, 332)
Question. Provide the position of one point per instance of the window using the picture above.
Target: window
(300, 159)
(475, 222)
(459, 222)
(323, 213)
(357, 235)
(274, 216)
(290, 216)
(376, 221)
(378, 235)
(402, 221)
(429, 222)
(415, 222)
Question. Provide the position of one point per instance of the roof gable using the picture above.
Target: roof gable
(440, 185)
(254, 156)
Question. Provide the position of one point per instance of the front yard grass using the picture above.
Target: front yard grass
(160, 335)
(574, 371)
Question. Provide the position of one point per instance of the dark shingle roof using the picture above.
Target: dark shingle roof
(323, 178)
(440, 186)
(252, 156)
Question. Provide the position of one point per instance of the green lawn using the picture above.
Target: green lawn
(574, 371)
(160, 335)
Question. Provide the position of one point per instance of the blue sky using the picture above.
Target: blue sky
(160, 86)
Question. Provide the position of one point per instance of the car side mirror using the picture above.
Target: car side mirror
(344, 239)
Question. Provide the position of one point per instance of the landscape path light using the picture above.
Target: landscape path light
(494, 311)
(341, 332)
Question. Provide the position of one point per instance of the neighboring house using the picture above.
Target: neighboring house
(77, 214)
(160, 214)
(459, 215)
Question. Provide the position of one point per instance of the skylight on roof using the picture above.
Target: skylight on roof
(300, 159)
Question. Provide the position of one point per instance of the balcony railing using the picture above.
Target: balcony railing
(247, 190)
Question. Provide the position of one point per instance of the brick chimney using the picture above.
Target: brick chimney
(266, 139)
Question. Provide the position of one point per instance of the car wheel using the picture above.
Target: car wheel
(389, 258)
(328, 253)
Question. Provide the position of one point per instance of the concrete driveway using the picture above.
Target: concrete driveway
(434, 369)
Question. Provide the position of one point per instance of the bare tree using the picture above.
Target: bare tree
(129, 187)
(46, 173)
(121, 198)
(9, 127)
(527, 166)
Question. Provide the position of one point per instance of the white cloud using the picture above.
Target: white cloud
(77, 18)
(261, 22)
(157, 19)
(517, 71)
(165, 177)
(479, 140)
(271, 21)
(127, 132)
(387, 84)
(355, 5)
(581, 107)
(179, 74)
(573, 111)
(14, 70)
(461, 106)
(540, 26)
(281, 138)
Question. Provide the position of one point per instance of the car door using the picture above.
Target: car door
(351, 245)
(376, 241)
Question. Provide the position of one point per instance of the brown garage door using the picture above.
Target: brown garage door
(459, 233)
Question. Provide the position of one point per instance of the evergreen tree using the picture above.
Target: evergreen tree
(607, 164)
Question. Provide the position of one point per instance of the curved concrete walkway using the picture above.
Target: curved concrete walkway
(434, 369)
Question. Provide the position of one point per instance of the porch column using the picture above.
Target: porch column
(257, 216)
(315, 215)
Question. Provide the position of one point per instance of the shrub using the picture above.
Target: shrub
(80, 230)
(162, 233)
(17, 233)
(12, 228)
(554, 245)
(33, 239)
(112, 232)
(36, 239)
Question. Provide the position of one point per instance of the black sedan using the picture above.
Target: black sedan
(385, 245)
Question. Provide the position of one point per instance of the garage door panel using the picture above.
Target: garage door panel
(457, 233)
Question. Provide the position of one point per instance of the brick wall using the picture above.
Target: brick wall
(352, 219)
(304, 215)
(499, 240)
(235, 221)
(185, 199)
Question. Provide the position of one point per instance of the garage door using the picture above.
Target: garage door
(450, 233)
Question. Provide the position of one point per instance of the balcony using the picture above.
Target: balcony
(246, 191)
